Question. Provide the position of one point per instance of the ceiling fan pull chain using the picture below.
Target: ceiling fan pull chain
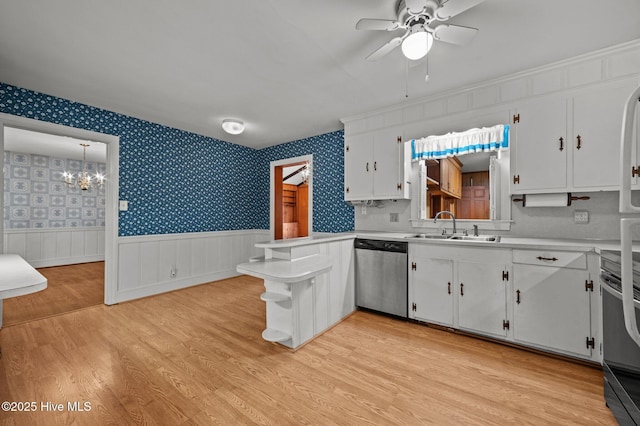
(406, 79)
(426, 77)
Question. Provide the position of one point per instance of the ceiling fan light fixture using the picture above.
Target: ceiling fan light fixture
(417, 44)
(232, 126)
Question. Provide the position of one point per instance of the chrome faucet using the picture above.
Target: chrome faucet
(453, 217)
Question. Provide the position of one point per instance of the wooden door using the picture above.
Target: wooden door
(303, 210)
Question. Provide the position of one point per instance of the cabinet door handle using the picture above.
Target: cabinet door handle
(448, 288)
(553, 259)
(561, 144)
(518, 297)
(375, 166)
(367, 166)
(579, 142)
(461, 289)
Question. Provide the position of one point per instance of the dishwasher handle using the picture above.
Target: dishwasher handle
(380, 245)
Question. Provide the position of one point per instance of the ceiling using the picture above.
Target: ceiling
(288, 68)
(26, 141)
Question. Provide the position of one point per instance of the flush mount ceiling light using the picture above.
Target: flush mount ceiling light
(234, 127)
(417, 44)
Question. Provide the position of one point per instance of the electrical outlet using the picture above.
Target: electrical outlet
(124, 205)
(363, 209)
(394, 217)
(581, 217)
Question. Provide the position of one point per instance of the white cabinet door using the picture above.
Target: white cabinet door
(539, 156)
(387, 163)
(430, 290)
(552, 308)
(482, 304)
(374, 166)
(595, 144)
(635, 154)
(358, 165)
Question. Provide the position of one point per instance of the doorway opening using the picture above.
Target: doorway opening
(57, 227)
(91, 237)
(291, 198)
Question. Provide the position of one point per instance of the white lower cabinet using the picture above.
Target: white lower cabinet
(459, 287)
(542, 299)
(552, 304)
(552, 308)
(431, 288)
(482, 297)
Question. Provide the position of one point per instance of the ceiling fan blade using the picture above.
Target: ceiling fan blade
(386, 48)
(451, 8)
(415, 6)
(454, 34)
(377, 24)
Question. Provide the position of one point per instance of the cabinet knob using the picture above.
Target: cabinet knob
(367, 166)
(579, 142)
(635, 171)
(461, 289)
(561, 143)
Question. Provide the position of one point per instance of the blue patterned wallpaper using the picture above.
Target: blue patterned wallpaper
(36, 197)
(162, 170)
(330, 212)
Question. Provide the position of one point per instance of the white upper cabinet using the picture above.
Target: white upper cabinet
(539, 154)
(571, 142)
(375, 165)
(595, 144)
(635, 154)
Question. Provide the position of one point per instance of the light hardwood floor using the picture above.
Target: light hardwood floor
(69, 288)
(195, 356)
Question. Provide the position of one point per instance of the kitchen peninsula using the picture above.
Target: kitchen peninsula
(309, 285)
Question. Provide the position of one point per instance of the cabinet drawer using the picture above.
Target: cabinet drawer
(562, 259)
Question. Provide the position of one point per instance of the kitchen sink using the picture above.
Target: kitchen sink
(489, 238)
(431, 236)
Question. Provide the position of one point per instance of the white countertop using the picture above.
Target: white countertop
(305, 241)
(18, 278)
(506, 242)
(287, 271)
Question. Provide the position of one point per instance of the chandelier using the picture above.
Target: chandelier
(83, 180)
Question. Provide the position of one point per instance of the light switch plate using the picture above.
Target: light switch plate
(124, 205)
(581, 217)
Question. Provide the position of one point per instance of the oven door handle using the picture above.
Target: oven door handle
(627, 277)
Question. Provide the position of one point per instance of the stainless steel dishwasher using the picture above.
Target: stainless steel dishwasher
(381, 276)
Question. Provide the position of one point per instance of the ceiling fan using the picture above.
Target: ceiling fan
(419, 19)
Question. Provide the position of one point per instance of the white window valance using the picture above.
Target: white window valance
(486, 139)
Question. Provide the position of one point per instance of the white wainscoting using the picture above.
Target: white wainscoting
(154, 264)
(336, 286)
(56, 246)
